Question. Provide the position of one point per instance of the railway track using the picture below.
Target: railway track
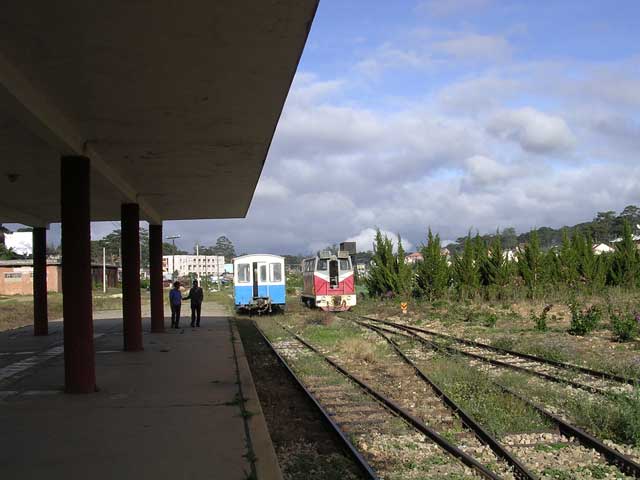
(565, 434)
(393, 441)
(363, 465)
(587, 379)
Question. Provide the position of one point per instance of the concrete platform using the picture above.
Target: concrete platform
(172, 411)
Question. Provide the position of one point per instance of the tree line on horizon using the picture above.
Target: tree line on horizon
(604, 227)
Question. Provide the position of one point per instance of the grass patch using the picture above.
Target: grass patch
(359, 349)
(497, 411)
(330, 335)
(615, 417)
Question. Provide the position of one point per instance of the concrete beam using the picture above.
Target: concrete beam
(9, 214)
(44, 119)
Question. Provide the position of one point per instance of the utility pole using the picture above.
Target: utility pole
(173, 260)
(104, 270)
(198, 262)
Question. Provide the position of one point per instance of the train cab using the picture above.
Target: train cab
(259, 282)
(329, 282)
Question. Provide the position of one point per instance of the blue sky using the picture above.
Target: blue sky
(454, 114)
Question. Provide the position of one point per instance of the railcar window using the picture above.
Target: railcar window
(344, 264)
(263, 273)
(243, 273)
(322, 265)
(275, 272)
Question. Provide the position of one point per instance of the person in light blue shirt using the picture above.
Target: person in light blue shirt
(175, 300)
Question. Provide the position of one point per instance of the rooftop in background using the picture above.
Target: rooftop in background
(155, 96)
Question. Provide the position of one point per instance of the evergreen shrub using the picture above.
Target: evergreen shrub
(584, 321)
(625, 326)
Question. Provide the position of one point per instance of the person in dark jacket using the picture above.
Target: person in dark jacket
(175, 300)
(196, 295)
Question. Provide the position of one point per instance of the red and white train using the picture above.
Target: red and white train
(329, 282)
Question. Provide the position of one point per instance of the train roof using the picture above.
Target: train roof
(327, 254)
(255, 255)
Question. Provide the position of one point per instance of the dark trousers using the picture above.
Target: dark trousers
(195, 315)
(175, 315)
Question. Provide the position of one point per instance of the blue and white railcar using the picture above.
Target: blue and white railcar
(259, 282)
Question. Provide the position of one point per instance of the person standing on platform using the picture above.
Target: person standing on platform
(196, 295)
(175, 300)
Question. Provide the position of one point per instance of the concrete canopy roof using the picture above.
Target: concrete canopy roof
(175, 102)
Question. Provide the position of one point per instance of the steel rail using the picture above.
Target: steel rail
(360, 461)
(613, 457)
(520, 471)
(453, 450)
(624, 463)
(528, 356)
(492, 361)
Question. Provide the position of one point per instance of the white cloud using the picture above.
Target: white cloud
(534, 131)
(366, 239)
(484, 171)
(477, 94)
(269, 187)
(389, 57)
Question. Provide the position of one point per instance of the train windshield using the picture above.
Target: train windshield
(322, 265)
(263, 273)
(275, 273)
(334, 278)
(243, 273)
(345, 264)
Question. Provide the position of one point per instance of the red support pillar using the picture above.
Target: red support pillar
(79, 354)
(155, 272)
(130, 243)
(40, 315)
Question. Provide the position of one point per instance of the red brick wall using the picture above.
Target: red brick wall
(19, 280)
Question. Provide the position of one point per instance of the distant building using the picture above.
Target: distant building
(600, 248)
(205, 265)
(635, 238)
(16, 276)
(412, 258)
(19, 242)
(362, 269)
(510, 255)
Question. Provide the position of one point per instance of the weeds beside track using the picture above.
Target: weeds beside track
(567, 431)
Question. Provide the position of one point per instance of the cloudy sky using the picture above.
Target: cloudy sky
(454, 114)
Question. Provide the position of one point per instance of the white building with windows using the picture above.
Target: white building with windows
(203, 265)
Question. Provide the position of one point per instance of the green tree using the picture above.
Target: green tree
(381, 279)
(625, 267)
(530, 264)
(591, 268)
(169, 249)
(603, 226)
(8, 253)
(509, 238)
(144, 248)
(466, 274)
(403, 271)
(567, 259)
(432, 274)
(497, 270)
(224, 247)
